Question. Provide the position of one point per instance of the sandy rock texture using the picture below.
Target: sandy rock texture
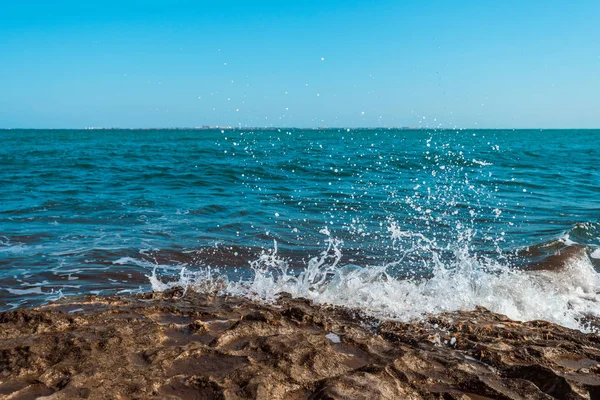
(201, 346)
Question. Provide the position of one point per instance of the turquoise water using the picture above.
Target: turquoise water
(99, 211)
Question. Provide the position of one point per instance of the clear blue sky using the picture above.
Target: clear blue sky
(300, 63)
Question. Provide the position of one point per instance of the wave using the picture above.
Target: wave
(566, 291)
(587, 233)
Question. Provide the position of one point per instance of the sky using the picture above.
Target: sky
(334, 63)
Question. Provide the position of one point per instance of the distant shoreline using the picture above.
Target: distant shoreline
(253, 128)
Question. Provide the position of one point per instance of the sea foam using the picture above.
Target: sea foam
(567, 296)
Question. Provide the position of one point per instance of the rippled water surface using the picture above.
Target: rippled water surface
(387, 220)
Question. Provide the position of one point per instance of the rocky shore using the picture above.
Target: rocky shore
(200, 346)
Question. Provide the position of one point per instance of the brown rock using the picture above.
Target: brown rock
(200, 346)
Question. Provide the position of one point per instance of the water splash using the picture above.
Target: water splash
(567, 296)
(443, 258)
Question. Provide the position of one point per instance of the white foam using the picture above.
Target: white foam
(126, 261)
(12, 249)
(563, 297)
(482, 163)
(596, 254)
(20, 292)
(567, 240)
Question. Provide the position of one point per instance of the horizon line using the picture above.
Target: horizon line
(217, 127)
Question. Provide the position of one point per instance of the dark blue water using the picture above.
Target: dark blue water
(97, 211)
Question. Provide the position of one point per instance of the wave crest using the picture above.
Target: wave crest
(567, 295)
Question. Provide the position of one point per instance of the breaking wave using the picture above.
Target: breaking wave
(566, 294)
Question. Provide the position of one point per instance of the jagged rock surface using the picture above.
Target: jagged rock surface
(199, 346)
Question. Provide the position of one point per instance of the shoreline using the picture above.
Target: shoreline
(163, 346)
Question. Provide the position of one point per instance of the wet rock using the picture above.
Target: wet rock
(178, 345)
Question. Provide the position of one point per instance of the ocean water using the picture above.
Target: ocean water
(398, 223)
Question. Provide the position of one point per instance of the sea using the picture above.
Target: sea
(397, 223)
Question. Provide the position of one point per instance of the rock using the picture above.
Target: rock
(205, 346)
